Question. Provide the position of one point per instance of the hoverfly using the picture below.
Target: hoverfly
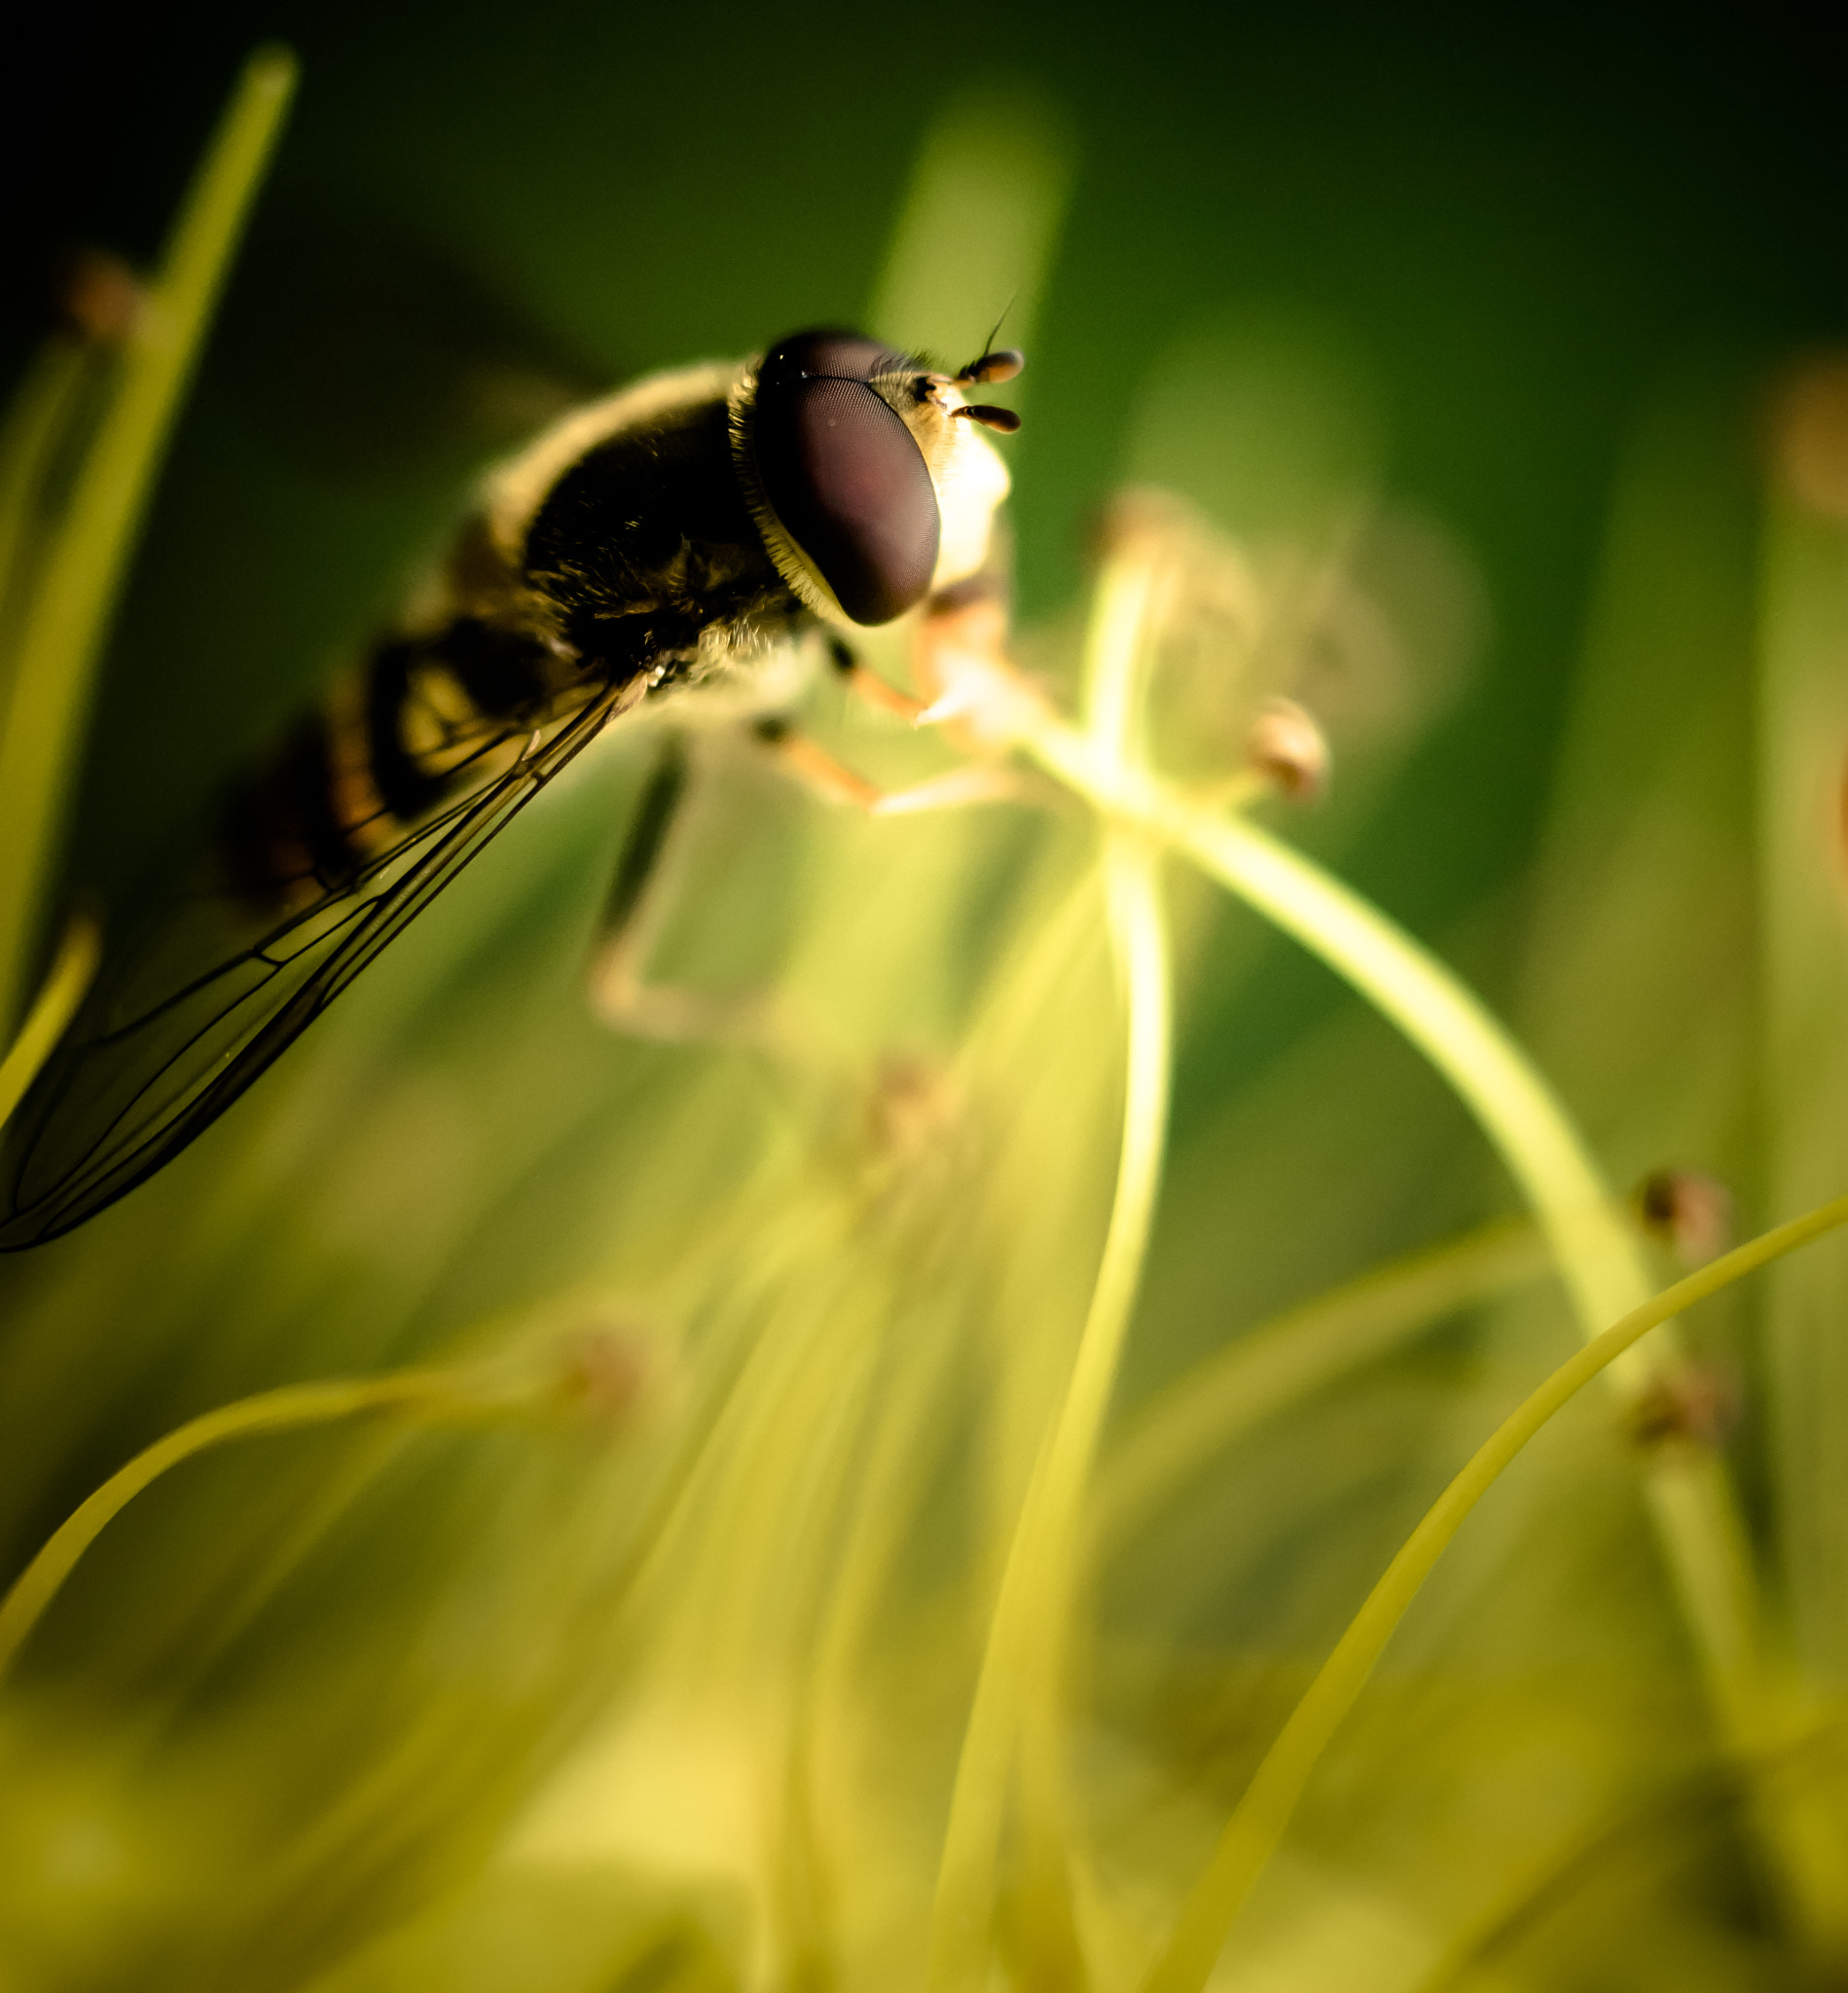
(688, 532)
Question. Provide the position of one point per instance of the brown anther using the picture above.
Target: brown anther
(1689, 1211)
(601, 1372)
(1132, 520)
(1289, 749)
(910, 1108)
(101, 298)
(1809, 435)
(1694, 1405)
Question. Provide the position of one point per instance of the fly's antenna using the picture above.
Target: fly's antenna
(990, 416)
(987, 344)
(997, 363)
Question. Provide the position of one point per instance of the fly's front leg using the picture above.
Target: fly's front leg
(981, 780)
(646, 886)
(641, 892)
(809, 765)
(881, 693)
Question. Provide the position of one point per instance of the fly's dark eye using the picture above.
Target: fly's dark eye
(837, 355)
(845, 475)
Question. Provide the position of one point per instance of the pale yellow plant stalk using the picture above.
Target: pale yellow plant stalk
(1809, 1761)
(1687, 1490)
(1018, 1691)
(1599, 1260)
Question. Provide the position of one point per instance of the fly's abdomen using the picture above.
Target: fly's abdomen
(424, 719)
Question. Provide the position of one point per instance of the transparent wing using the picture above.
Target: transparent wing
(207, 994)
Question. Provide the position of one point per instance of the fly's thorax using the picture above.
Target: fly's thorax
(514, 493)
(641, 546)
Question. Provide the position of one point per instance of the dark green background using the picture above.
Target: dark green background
(1522, 222)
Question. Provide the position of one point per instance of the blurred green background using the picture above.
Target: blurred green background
(1519, 224)
(1523, 284)
(1494, 272)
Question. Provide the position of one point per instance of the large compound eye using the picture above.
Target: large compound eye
(843, 474)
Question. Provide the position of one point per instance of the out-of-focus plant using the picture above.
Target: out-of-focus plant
(518, 1507)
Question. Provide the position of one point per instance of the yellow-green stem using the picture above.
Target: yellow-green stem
(1258, 1822)
(1036, 1580)
(281, 1410)
(72, 969)
(1811, 1758)
(1193, 1419)
(38, 426)
(61, 633)
(1599, 1261)
(1022, 1660)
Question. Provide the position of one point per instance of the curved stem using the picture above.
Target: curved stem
(39, 423)
(1258, 1822)
(1018, 1690)
(1600, 1264)
(1688, 1492)
(1191, 1421)
(1519, 1113)
(72, 970)
(1024, 1641)
(1812, 1759)
(285, 1409)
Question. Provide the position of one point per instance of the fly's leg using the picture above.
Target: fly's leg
(642, 894)
(644, 887)
(982, 779)
(881, 693)
(809, 765)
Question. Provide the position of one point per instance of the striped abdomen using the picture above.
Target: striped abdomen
(422, 720)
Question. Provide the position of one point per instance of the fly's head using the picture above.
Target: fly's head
(867, 471)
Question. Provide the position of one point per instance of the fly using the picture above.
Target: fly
(686, 533)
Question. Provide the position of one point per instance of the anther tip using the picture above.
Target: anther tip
(101, 298)
(1690, 1210)
(1289, 749)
